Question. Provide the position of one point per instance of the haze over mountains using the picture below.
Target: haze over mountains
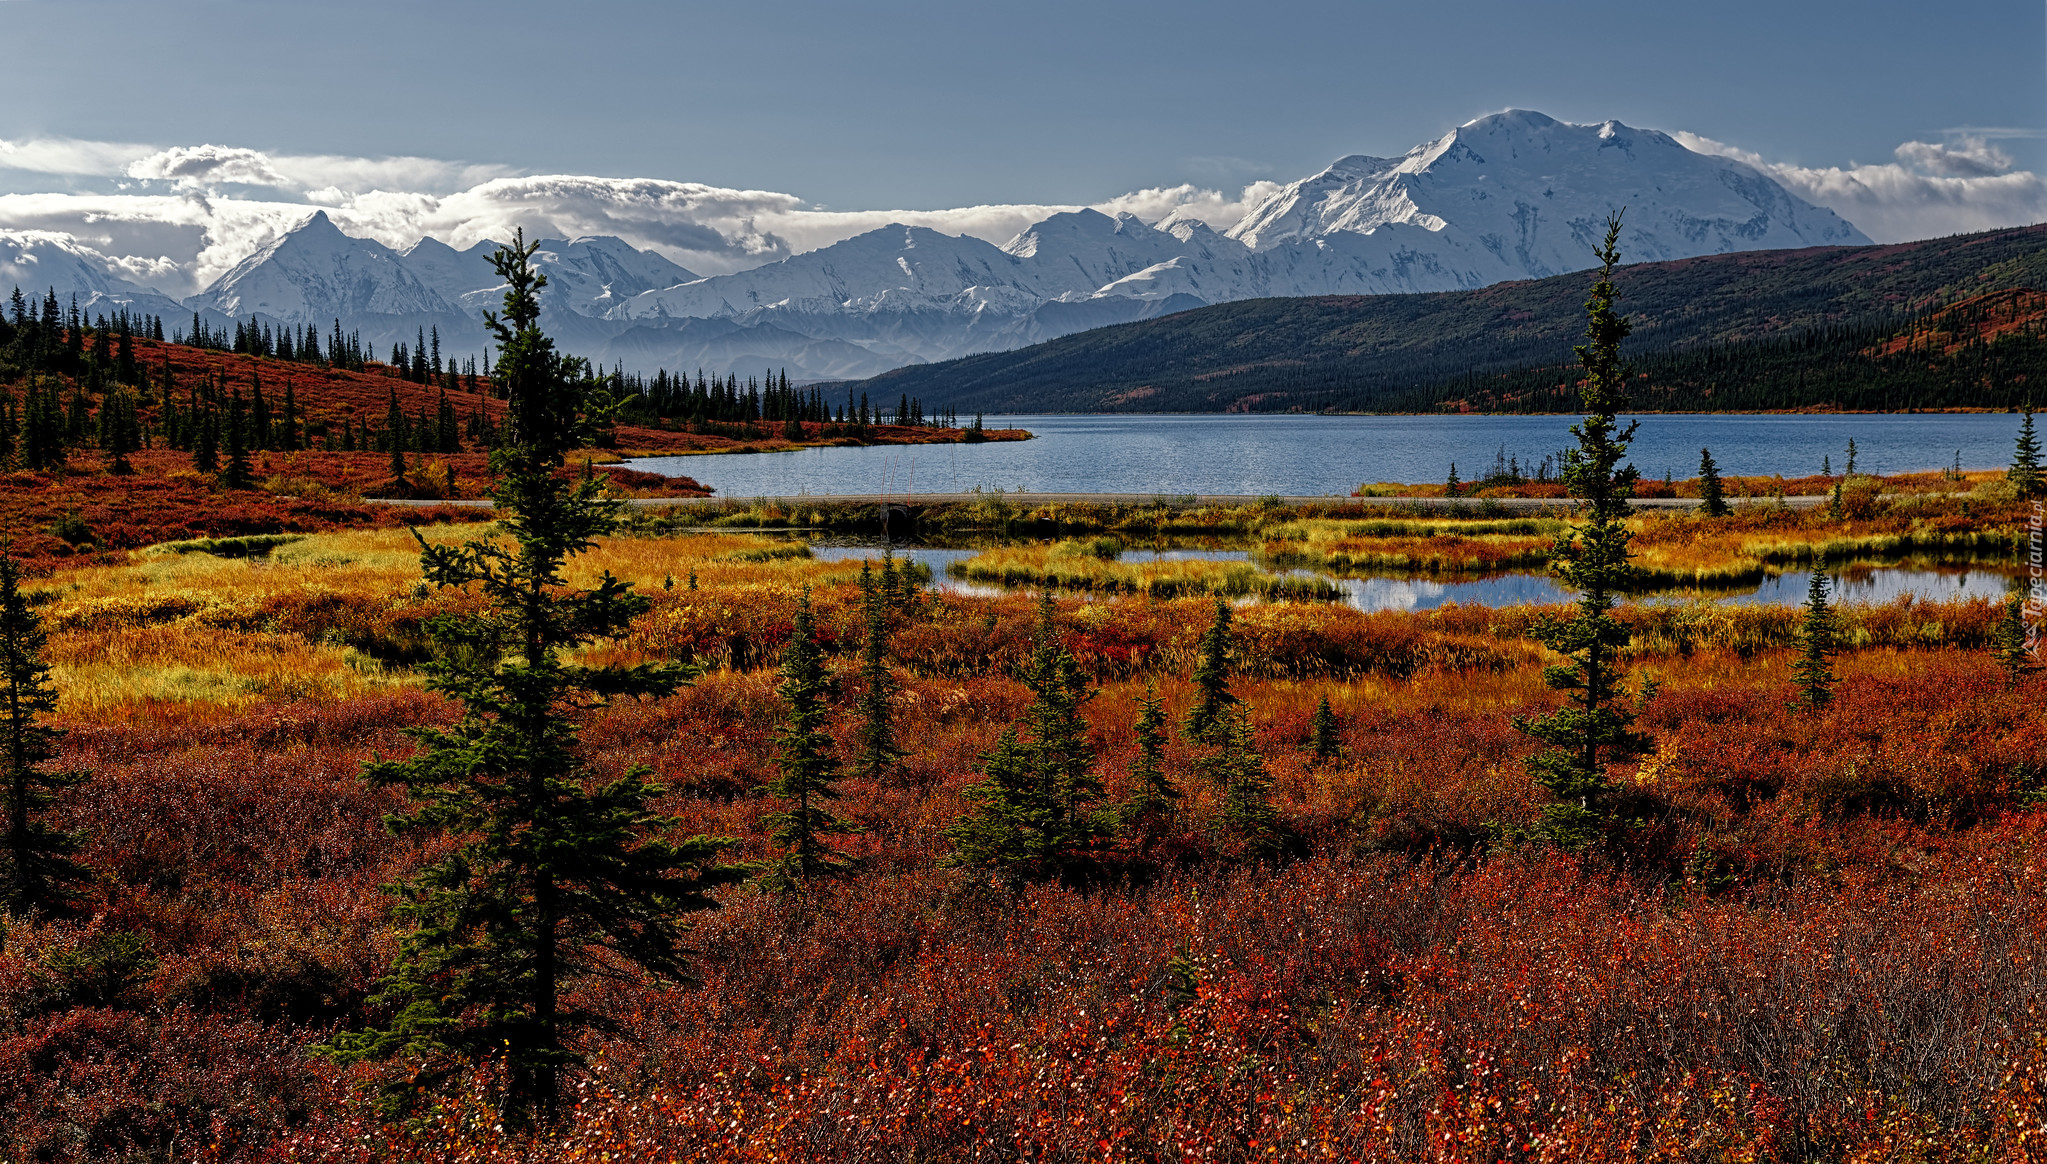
(1515, 195)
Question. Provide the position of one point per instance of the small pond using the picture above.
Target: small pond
(1872, 584)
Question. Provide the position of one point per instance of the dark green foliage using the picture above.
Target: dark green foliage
(120, 430)
(1595, 725)
(1322, 729)
(236, 474)
(1835, 509)
(394, 436)
(206, 442)
(103, 970)
(1453, 487)
(1712, 502)
(1759, 330)
(2025, 459)
(1154, 798)
(877, 733)
(41, 877)
(1247, 815)
(558, 876)
(808, 769)
(2009, 641)
(1033, 816)
(1211, 678)
(1818, 640)
(1848, 470)
(42, 427)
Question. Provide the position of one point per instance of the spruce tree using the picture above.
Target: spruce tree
(41, 877)
(120, 431)
(808, 769)
(556, 876)
(1712, 502)
(1322, 728)
(2008, 642)
(1153, 797)
(1211, 678)
(236, 474)
(206, 442)
(878, 749)
(1595, 725)
(1453, 486)
(1234, 766)
(1818, 640)
(2025, 460)
(1848, 470)
(1033, 812)
(394, 435)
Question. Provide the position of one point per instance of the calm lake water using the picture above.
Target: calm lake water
(1859, 584)
(1318, 455)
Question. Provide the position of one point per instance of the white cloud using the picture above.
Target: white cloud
(1966, 157)
(1931, 190)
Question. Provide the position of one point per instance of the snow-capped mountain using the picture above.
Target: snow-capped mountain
(1514, 195)
(1527, 196)
(40, 262)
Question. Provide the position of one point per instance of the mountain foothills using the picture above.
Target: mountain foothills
(1955, 322)
(1512, 196)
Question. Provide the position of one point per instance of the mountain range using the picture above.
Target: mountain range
(1818, 327)
(1512, 196)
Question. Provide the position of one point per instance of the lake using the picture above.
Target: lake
(1860, 584)
(1322, 455)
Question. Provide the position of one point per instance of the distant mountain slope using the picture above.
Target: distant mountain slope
(1362, 352)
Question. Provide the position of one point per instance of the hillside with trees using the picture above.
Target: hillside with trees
(1942, 323)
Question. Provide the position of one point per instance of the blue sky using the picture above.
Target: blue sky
(929, 106)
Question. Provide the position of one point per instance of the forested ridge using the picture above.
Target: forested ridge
(1818, 328)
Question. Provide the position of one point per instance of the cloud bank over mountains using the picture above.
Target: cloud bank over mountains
(177, 218)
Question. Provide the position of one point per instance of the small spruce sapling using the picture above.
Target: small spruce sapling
(1212, 678)
(1322, 732)
(877, 734)
(1712, 501)
(1247, 815)
(2008, 642)
(1818, 641)
(1033, 814)
(2025, 461)
(1153, 798)
(806, 784)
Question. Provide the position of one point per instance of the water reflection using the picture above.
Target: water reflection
(1871, 584)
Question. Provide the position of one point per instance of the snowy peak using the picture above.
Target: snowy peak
(314, 273)
(1524, 188)
(594, 274)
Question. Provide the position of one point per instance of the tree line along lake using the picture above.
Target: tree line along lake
(1313, 455)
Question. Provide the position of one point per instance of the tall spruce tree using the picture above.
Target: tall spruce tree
(1033, 812)
(876, 708)
(1212, 677)
(41, 877)
(1818, 640)
(805, 826)
(557, 876)
(2025, 460)
(1712, 502)
(1596, 724)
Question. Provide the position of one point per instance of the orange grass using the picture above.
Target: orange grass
(1817, 939)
